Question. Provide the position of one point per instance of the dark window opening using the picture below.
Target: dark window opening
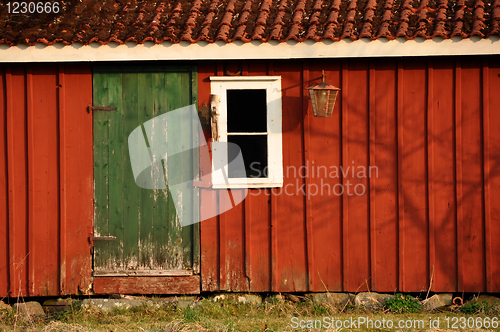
(254, 151)
(246, 111)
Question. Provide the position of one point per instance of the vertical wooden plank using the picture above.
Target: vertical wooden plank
(431, 181)
(46, 180)
(187, 136)
(196, 262)
(209, 228)
(324, 182)
(308, 203)
(401, 210)
(289, 210)
(223, 260)
(258, 238)
(79, 179)
(355, 164)
(101, 172)
(372, 102)
(491, 121)
(383, 175)
(232, 240)
(486, 173)
(273, 217)
(61, 83)
(459, 173)
(472, 179)
(247, 238)
(180, 239)
(146, 196)
(17, 169)
(345, 150)
(414, 177)
(4, 190)
(31, 181)
(162, 198)
(441, 185)
(131, 210)
(116, 162)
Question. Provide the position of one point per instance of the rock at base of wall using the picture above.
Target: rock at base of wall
(438, 301)
(340, 299)
(56, 306)
(371, 300)
(491, 300)
(30, 309)
(249, 299)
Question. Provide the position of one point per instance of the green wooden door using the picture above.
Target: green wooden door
(149, 239)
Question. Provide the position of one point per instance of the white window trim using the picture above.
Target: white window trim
(219, 85)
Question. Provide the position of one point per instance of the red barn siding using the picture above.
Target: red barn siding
(45, 179)
(430, 126)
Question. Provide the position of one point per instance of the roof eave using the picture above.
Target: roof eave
(346, 48)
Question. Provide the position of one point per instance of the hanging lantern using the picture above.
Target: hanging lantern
(323, 96)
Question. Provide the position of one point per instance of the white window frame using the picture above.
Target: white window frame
(272, 84)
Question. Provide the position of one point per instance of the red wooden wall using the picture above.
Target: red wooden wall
(430, 126)
(429, 219)
(46, 180)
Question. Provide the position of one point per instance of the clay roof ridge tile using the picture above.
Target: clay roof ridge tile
(266, 6)
(207, 22)
(443, 4)
(440, 20)
(227, 19)
(225, 24)
(404, 19)
(262, 19)
(248, 5)
(296, 32)
(278, 21)
(479, 3)
(460, 10)
(422, 15)
(240, 33)
(332, 21)
(495, 18)
(386, 20)
(318, 5)
(388, 4)
(314, 21)
(301, 6)
(283, 5)
(369, 15)
(478, 19)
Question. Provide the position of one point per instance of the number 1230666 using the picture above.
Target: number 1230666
(33, 7)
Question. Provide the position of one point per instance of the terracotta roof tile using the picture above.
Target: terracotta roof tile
(139, 21)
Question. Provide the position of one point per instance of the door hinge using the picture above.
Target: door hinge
(101, 108)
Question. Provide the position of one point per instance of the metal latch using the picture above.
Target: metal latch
(101, 108)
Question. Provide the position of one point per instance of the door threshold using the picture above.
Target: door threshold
(144, 273)
(147, 285)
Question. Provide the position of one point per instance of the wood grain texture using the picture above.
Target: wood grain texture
(147, 285)
(428, 212)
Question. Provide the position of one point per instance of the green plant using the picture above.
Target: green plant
(475, 307)
(403, 304)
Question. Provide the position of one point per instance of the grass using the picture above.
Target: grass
(213, 316)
